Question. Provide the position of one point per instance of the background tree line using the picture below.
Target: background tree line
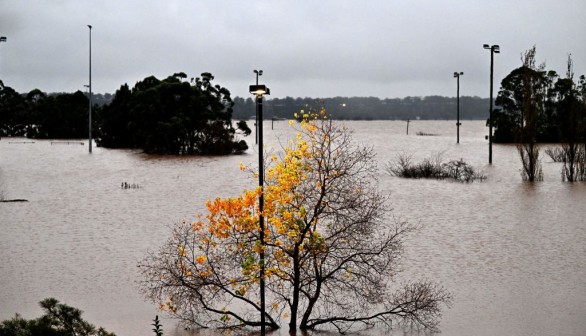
(62, 115)
(371, 108)
(171, 116)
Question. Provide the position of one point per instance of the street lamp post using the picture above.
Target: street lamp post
(90, 95)
(259, 91)
(457, 76)
(258, 73)
(494, 49)
(2, 39)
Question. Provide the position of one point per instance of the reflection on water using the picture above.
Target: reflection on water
(512, 253)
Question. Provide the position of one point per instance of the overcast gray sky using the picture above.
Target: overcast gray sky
(325, 48)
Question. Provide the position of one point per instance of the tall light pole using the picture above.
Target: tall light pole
(90, 95)
(259, 91)
(258, 73)
(457, 76)
(2, 39)
(494, 49)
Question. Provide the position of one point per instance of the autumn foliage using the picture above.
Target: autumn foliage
(331, 250)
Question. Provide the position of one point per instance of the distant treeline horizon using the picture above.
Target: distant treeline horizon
(354, 108)
(369, 108)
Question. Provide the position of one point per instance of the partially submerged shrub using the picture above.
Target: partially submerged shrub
(574, 159)
(425, 134)
(556, 154)
(531, 164)
(158, 328)
(461, 171)
(59, 320)
(433, 167)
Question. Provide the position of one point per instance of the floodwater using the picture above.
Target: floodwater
(512, 253)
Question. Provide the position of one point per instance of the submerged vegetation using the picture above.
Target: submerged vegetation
(573, 159)
(433, 167)
(539, 106)
(420, 133)
(555, 153)
(59, 320)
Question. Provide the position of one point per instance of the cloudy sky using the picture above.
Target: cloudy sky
(325, 48)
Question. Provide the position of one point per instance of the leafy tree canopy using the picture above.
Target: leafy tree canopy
(554, 107)
(37, 115)
(331, 253)
(172, 116)
(59, 320)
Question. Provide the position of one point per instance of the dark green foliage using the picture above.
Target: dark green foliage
(434, 167)
(537, 105)
(243, 127)
(64, 116)
(172, 116)
(37, 115)
(115, 120)
(158, 328)
(13, 112)
(59, 320)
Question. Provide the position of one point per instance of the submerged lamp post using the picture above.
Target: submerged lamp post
(494, 49)
(2, 39)
(457, 76)
(258, 73)
(259, 91)
(90, 95)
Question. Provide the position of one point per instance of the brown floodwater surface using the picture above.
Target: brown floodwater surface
(512, 253)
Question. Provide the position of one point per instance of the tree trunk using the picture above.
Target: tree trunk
(296, 285)
(312, 300)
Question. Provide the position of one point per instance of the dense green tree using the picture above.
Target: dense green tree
(13, 112)
(115, 119)
(59, 320)
(537, 105)
(572, 116)
(517, 106)
(172, 116)
(534, 93)
(63, 116)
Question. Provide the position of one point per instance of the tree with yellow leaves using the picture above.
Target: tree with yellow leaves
(331, 249)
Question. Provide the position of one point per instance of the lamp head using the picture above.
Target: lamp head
(486, 46)
(2, 38)
(259, 90)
